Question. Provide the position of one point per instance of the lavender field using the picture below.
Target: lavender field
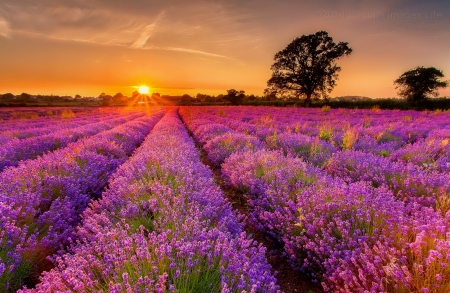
(188, 199)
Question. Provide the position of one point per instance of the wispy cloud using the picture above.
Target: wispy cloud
(5, 30)
(176, 49)
(191, 51)
(210, 60)
(195, 28)
(187, 50)
(147, 33)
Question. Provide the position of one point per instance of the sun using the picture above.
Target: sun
(143, 89)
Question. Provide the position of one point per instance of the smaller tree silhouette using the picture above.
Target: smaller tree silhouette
(420, 83)
(234, 97)
(24, 97)
(106, 99)
(118, 96)
(7, 97)
(186, 99)
(135, 95)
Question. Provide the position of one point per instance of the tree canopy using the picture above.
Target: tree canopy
(307, 68)
(420, 83)
(234, 96)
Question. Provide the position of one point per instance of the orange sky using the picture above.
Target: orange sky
(91, 46)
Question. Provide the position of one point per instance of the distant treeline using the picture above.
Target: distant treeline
(233, 97)
(387, 103)
(352, 102)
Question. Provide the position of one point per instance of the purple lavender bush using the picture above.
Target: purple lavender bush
(162, 226)
(46, 196)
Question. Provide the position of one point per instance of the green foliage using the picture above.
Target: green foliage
(142, 220)
(11, 281)
(203, 277)
(326, 133)
(303, 150)
(387, 136)
(21, 277)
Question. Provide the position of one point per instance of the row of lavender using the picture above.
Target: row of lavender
(33, 126)
(429, 185)
(41, 200)
(26, 117)
(162, 226)
(350, 234)
(409, 136)
(20, 129)
(9, 114)
(13, 151)
(407, 124)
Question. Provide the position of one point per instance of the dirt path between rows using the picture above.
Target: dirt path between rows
(290, 280)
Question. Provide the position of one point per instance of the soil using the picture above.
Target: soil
(289, 280)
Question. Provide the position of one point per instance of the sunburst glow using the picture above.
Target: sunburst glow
(144, 90)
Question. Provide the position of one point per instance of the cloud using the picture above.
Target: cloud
(198, 28)
(194, 52)
(5, 30)
(209, 21)
(147, 33)
(186, 50)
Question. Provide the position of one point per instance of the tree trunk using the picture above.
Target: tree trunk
(308, 101)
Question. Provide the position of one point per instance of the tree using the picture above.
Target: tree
(24, 97)
(307, 68)
(119, 99)
(420, 83)
(118, 96)
(209, 99)
(186, 99)
(219, 98)
(234, 96)
(271, 97)
(106, 99)
(135, 95)
(251, 98)
(8, 97)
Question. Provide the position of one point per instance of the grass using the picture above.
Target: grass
(326, 133)
(326, 109)
(66, 114)
(349, 139)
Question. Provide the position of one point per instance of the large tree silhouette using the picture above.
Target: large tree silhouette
(307, 68)
(420, 83)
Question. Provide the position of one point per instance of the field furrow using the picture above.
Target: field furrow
(426, 185)
(228, 199)
(41, 200)
(25, 129)
(14, 151)
(163, 225)
(349, 235)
